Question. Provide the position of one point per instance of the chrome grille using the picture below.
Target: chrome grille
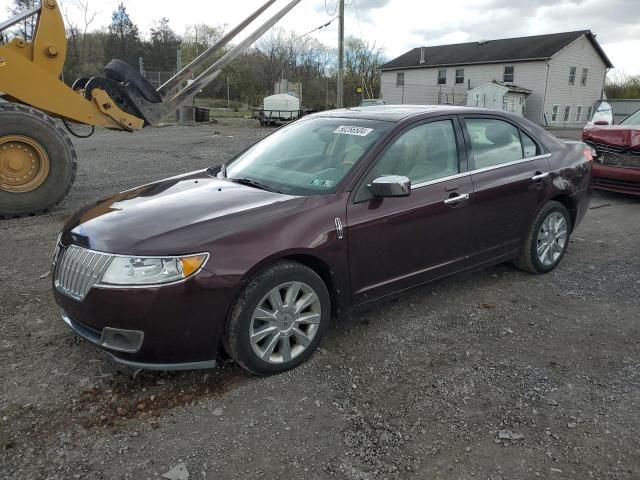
(78, 269)
(616, 155)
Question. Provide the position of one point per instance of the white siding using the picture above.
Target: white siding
(421, 84)
(579, 54)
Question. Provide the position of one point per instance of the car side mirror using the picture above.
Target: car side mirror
(603, 114)
(390, 186)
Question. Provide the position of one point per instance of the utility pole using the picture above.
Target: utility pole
(340, 99)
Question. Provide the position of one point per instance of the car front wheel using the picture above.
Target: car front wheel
(279, 319)
(547, 239)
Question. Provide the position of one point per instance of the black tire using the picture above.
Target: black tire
(528, 259)
(28, 122)
(236, 335)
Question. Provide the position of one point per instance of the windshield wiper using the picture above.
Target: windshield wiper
(252, 183)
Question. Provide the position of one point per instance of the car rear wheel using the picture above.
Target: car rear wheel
(279, 319)
(547, 239)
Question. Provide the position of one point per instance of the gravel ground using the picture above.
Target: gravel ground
(494, 375)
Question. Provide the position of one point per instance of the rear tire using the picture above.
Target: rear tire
(294, 332)
(547, 239)
(57, 152)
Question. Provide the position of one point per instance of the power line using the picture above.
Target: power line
(335, 9)
(318, 28)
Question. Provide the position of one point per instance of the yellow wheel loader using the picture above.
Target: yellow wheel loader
(37, 158)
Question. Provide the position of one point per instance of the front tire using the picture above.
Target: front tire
(279, 319)
(37, 161)
(547, 239)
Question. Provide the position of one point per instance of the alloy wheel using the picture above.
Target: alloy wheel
(552, 238)
(285, 322)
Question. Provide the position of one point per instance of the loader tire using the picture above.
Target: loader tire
(37, 161)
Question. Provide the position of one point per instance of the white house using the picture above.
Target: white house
(564, 72)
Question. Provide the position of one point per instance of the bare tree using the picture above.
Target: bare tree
(26, 28)
(619, 84)
(362, 64)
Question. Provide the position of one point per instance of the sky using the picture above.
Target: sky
(400, 25)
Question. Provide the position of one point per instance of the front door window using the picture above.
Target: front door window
(422, 154)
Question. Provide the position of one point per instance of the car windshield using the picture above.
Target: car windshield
(632, 120)
(308, 157)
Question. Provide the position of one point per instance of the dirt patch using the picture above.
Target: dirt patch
(498, 374)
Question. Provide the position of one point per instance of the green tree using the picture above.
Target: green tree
(161, 50)
(621, 85)
(123, 38)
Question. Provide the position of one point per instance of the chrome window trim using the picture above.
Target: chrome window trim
(439, 180)
(479, 170)
(514, 162)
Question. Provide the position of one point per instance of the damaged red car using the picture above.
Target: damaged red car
(617, 147)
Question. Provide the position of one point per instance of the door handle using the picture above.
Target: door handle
(457, 199)
(539, 176)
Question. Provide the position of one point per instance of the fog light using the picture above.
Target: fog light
(119, 340)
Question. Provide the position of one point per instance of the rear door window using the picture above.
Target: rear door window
(529, 147)
(494, 142)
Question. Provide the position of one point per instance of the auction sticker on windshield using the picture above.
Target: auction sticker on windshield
(358, 131)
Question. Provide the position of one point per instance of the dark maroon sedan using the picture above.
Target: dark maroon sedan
(335, 210)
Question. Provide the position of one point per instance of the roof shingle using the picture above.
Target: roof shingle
(539, 47)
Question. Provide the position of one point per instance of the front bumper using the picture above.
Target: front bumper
(98, 338)
(163, 328)
(616, 179)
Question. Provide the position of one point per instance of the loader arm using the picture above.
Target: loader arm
(37, 159)
(30, 74)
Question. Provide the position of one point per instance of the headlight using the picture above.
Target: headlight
(151, 270)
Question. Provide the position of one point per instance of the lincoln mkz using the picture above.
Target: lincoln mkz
(335, 210)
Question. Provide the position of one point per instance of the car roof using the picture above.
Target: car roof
(397, 113)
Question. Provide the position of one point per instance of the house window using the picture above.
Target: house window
(583, 80)
(442, 77)
(400, 79)
(567, 113)
(459, 76)
(508, 74)
(578, 113)
(589, 113)
(554, 113)
(572, 76)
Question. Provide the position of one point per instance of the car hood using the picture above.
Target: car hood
(618, 135)
(179, 215)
